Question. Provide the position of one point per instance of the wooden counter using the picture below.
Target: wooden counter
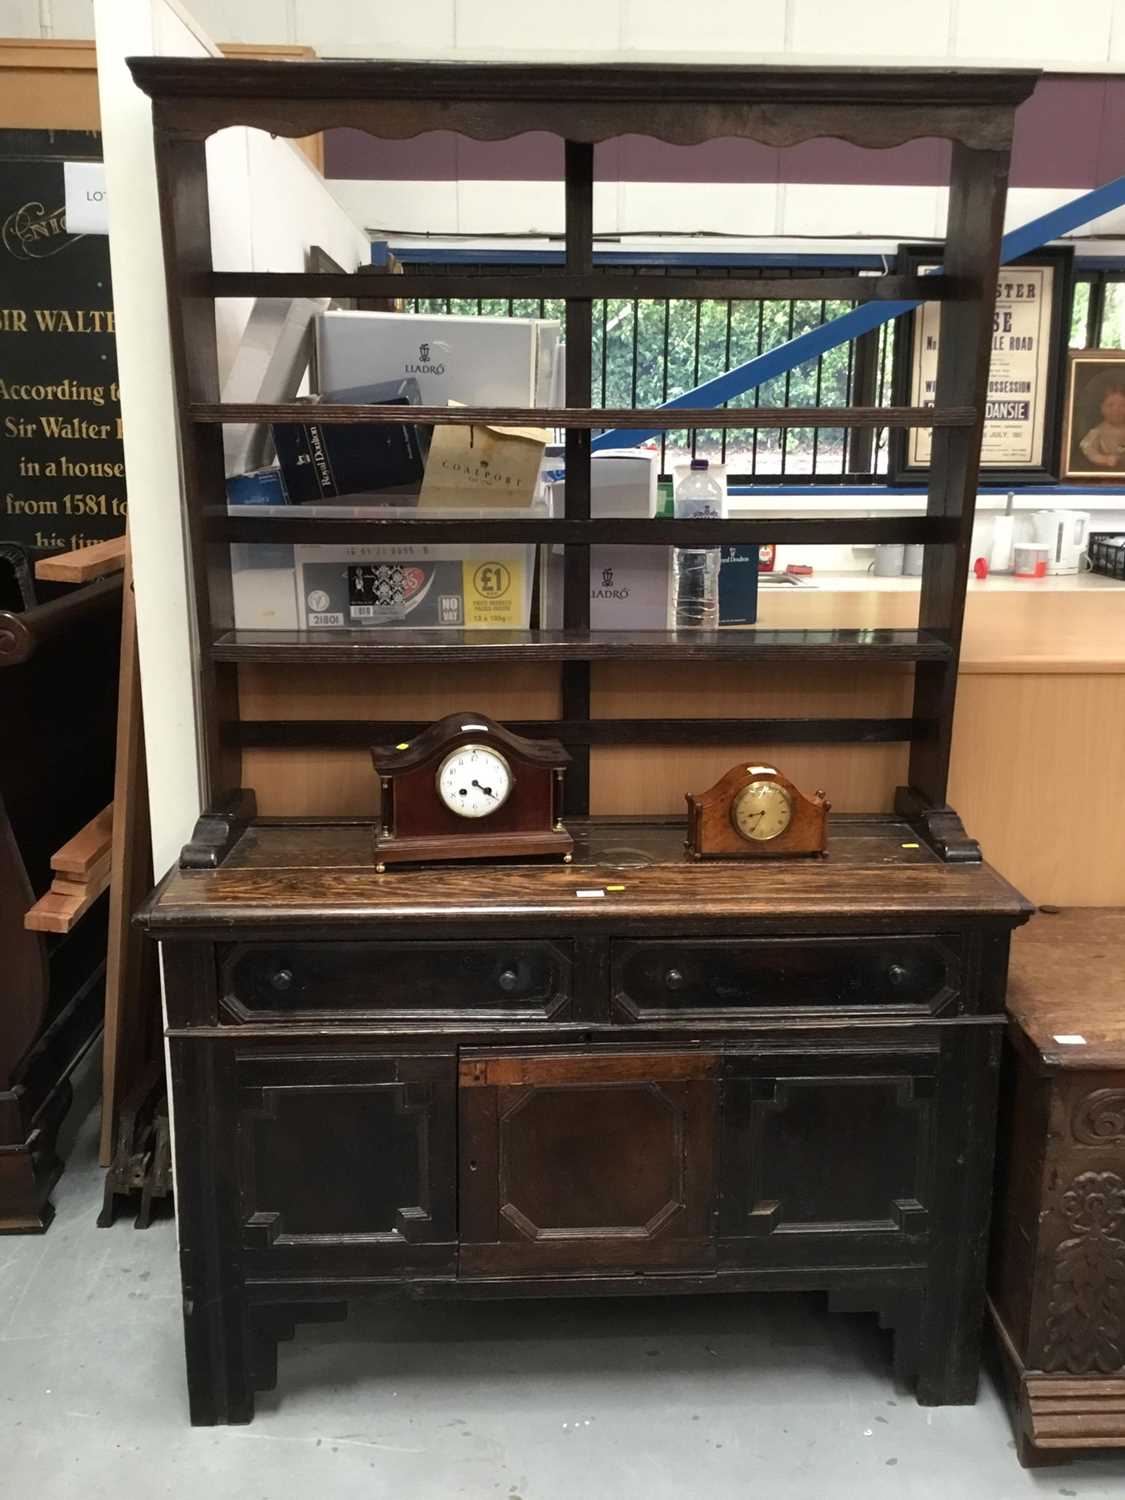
(1040, 712)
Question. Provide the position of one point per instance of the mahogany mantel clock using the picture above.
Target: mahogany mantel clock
(755, 811)
(467, 788)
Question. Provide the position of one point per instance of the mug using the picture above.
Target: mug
(889, 560)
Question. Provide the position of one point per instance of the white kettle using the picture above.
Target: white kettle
(1065, 533)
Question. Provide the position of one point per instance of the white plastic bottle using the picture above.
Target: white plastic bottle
(695, 570)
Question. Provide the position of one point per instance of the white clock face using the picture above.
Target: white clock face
(474, 781)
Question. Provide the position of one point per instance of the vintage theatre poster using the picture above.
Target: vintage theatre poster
(1017, 416)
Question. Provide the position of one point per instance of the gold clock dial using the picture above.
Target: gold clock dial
(761, 811)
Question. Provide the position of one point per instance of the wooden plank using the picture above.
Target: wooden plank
(58, 913)
(808, 531)
(513, 1070)
(260, 733)
(574, 677)
(181, 171)
(84, 564)
(131, 985)
(87, 848)
(401, 644)
(549, 282)
(211, 412)
(63, 885)
(975, 224)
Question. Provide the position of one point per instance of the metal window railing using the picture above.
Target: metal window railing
(646, 352)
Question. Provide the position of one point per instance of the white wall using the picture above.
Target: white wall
(267, 205)
(1043, 33)
(1046, 33)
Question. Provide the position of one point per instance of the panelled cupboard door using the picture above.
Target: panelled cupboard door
(824, 1157)
(346, 1162)
(572, 1163)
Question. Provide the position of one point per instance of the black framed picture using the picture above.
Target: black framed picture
(1031, 332)
(1094, 428)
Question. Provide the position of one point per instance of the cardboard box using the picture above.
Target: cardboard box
(483, 466)
(630, 588)
(324, 460)
(476, 361)
(738, 586)
(414, 585)
(259, 487)
(622, 483)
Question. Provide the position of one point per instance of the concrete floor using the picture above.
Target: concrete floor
(649, 1398)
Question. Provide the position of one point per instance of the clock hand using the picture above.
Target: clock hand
(487, 790)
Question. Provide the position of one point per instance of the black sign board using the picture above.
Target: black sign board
(62, 469)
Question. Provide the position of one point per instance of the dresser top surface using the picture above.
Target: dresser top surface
(624, 871)
(1067, 979)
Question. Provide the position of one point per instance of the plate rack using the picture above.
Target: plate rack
(682, 104)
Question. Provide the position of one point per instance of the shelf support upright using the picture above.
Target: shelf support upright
(977, 191)
(579, 333)
(181, 166)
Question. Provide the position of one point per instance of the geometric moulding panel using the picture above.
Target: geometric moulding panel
(577, 1159)
(329, 1160)
(845, 1153)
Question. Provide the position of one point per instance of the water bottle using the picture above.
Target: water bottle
(695, 570)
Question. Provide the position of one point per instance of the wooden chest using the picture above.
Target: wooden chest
(633, 1074)
(1058, 1273)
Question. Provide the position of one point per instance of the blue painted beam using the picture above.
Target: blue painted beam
(870, 315)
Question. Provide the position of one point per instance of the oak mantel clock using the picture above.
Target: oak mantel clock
(754, 812)
(467, 788)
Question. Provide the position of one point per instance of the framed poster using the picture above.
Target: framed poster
(1094, 429)
(1030, 337)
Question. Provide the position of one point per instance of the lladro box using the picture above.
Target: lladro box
(630, 588)
(441, 586)
(476, 361)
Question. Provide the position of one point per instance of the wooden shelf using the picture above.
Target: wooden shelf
(401, 644)
(335, 734)
(672, 418)
(639, 283)
(618, 531)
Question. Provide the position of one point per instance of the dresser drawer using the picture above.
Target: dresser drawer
(415, 981)
(662, 980)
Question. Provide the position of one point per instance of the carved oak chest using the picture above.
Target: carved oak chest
(1058, 1272)
(633, 1074)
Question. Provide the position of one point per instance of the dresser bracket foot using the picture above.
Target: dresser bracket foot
(939, 827)
(218, 830)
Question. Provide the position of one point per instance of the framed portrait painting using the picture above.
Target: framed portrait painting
(1094, 429)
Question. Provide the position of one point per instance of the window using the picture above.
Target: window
(1098, 313)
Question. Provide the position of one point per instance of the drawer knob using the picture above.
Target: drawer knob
(282, 979)
(508, 980)
(898, 974)
(674, 979)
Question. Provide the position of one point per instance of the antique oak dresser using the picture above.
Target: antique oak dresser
(632, 1073)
